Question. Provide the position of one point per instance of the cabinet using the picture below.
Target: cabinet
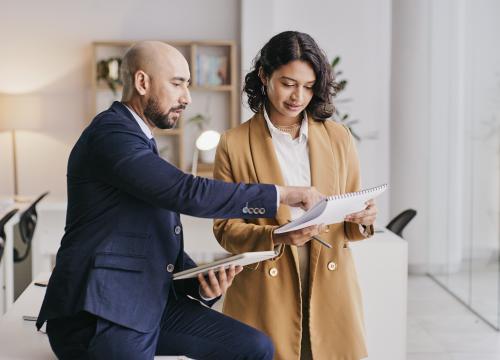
(214, 93)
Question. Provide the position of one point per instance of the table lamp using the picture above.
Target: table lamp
(19, 112)
(206, 143)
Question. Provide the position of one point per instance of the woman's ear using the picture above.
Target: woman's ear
(262, 76)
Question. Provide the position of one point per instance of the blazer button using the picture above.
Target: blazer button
(262, 211)
(177, 230)
(170, 268)
(245, 210)
(273, 272)
(332, 266)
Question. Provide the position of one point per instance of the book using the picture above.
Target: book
(333, 209)
(242, 259)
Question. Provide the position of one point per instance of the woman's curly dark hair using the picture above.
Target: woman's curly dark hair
(282, 49)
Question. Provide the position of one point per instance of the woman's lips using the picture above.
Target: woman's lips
(293, 107)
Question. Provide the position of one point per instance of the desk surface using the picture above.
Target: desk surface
(19, 339)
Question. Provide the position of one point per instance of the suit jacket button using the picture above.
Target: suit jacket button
(245, 210)
(262, 211)
(170, 268)
(273, 272)
(332, 266)
(177, 230)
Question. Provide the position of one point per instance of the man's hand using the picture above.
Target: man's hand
(298, 237)
(297, 196)
(217, 285)
(364, 217)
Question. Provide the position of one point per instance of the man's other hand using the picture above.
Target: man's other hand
(217, 285)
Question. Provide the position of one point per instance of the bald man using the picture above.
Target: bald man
(111, 294)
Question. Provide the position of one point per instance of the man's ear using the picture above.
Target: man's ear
(141, 82)
(262, 76)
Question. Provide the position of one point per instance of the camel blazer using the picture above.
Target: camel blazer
(268, 296)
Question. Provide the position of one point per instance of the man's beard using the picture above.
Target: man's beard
(159, 119)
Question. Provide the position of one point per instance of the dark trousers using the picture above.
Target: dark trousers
(187, 328)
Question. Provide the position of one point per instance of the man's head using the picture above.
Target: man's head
(155, 82)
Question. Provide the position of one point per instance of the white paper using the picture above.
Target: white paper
(333, 209)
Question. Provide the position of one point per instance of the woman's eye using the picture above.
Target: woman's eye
(289, 85)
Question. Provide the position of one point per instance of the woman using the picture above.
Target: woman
(307, 299)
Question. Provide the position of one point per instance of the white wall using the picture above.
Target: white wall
(410, 123)
(360, 32)
(445, 109)
(46, 49)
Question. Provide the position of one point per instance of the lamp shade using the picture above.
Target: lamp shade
(208, 140)
(20, 112)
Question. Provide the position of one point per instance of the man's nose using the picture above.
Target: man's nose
(186, 98)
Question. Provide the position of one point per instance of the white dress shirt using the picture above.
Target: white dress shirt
(145, 129)
(293, 158)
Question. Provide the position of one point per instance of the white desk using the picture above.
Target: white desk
(50, 225)
(382, 266)
(19, 339)
(7, 263)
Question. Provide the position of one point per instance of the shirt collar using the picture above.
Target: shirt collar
(304, 128)
(145, 129)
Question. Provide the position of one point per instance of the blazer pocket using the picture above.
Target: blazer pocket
(120, 262)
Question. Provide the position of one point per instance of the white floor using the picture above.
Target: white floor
(441, 328)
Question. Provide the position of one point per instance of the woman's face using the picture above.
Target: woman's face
(290, 89)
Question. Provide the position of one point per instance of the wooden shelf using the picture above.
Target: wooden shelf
(227, 106)
(168, 132)
(212, 87)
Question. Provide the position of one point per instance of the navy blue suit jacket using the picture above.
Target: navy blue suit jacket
(123, 227)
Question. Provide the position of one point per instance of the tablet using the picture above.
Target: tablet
(242, 259)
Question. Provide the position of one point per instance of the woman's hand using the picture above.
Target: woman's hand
(298, 237)
(364, 217)
(218, 285)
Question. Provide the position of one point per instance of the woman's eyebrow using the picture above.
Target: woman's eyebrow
(291, 79)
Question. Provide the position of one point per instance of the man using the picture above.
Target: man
(111, 294)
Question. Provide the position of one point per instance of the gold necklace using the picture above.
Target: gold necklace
(289, 129)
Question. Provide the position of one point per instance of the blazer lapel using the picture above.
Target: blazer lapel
(324, 175)
(268, 169)
(265, 161)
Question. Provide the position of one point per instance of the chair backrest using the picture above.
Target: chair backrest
(398, 224)
(27, 225)
(4, 221)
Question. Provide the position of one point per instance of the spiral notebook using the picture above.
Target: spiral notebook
(333, 209)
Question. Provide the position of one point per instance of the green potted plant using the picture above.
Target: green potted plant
(340, 116)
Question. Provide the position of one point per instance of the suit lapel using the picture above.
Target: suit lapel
(324, 175)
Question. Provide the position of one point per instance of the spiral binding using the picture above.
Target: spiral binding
(357, 193)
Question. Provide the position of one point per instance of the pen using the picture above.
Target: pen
(320, 240)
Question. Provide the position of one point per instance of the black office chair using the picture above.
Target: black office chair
(27, 225)
(4, 221)
(398, 224)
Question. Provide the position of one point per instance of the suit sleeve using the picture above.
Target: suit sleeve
(237, 235)
(353, 183)
(124, 160)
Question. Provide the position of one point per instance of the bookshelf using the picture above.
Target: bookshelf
(213, 88)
